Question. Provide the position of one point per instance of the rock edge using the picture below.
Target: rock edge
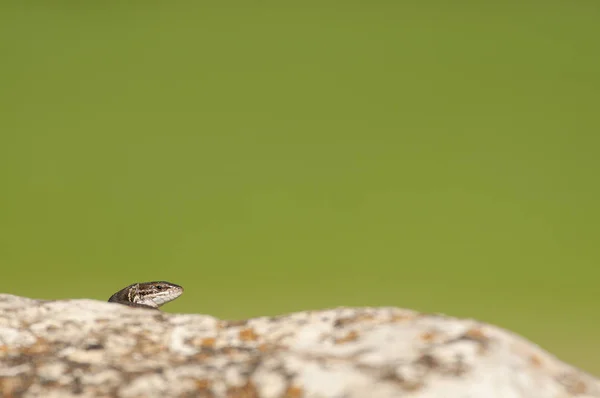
(88, 348)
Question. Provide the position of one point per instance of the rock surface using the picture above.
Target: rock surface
(87, 348)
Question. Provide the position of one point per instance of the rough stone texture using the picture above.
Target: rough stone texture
(87, 348)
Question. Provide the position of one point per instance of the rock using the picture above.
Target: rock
(87, 348)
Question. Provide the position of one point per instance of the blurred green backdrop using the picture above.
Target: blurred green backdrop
(274, 157)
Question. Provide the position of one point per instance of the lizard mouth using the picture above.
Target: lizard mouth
(169, 295)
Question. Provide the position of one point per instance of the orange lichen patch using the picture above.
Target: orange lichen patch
(202, 356)
(351, 336)
(479, 336)
(536, 361)
(476, 334)
(248, 335)
(3, 348)
(402, 318)
(149, 350)
(230, 350)
(233, 352)
(264, 347)
(208, 342)
(41, 346)
(579, 388)
(573, 384)
(294, 392)
(429, 336)
(202, 384)
(10, 386)
(365, 317)
(248, 390)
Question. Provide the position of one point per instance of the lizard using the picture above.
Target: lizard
(147, 294)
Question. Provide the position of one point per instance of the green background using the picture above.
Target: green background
(280, 156)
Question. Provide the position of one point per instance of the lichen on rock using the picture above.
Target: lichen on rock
(88, 348)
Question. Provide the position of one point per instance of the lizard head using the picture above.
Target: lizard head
(154, 294)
